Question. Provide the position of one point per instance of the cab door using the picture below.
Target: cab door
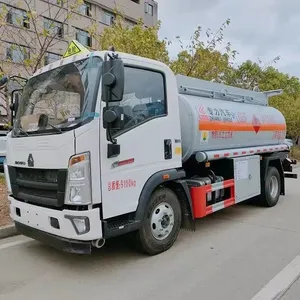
(147, 137)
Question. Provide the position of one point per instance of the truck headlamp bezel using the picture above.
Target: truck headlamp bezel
(78, 187)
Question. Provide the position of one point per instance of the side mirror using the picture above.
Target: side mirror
(15, 105)
(113, 80)
(15, 101)
(3, 81)
(112, 117)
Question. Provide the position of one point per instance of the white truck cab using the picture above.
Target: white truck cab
(96, 152)
(61, 173)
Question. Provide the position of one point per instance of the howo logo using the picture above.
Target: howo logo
(30, 160)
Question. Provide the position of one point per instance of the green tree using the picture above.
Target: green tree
(289, 102)
(249, 75)
(201, 58)
(264, 77)
(136, 39)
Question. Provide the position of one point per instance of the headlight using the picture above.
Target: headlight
(78, 190)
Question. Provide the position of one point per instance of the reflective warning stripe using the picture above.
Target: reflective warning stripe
(213, 155)
(221, 205)
(198, 195)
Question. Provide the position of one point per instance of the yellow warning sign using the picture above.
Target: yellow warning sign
(75, 48)
(204, 137)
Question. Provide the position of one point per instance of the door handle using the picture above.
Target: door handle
(168, 148)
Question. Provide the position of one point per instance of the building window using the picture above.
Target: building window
(83, 37)
(149, 9)
(53, 27)
(107, 17)
(17, 53)
(17, 17)
(85, 9)
(136, 1)
(49, 58)
(130, 23)
(56, 2)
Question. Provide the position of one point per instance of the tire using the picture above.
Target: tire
(271, 189)
(157, 234)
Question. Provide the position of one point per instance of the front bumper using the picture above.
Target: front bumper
(41, 219)
(62, 244)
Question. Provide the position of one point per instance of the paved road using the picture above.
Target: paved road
(232, 255)
(293, 293)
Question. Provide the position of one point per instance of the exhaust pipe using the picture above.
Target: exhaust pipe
(98, 243)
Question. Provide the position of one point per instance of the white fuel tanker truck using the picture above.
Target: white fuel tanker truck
(105, 144)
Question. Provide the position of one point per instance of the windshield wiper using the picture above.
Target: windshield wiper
(58, 130)
(43, 123)
(23, 131)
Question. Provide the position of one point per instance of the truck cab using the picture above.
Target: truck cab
(80, 169)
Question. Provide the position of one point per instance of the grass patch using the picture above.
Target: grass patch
(295, 152)
(2, 179)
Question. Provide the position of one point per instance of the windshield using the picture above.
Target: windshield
(65, 95)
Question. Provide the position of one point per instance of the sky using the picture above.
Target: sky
(260, 29)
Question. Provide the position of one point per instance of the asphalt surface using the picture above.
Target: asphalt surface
(232, 255)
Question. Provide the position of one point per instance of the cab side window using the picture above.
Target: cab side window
(144, 96)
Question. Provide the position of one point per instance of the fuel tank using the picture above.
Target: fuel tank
(214, 119)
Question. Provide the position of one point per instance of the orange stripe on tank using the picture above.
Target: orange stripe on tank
(234, 126)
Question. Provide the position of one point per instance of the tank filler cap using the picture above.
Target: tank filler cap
(201, 157)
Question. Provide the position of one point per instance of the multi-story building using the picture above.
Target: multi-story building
(24, 36)
(75, 27)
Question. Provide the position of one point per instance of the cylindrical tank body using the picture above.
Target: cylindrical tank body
(211, 124)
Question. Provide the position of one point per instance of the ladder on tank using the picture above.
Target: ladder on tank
(202, 88)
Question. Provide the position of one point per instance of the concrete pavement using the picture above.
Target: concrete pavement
(293, 293)
(232, 255)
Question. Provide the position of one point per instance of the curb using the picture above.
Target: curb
(7, 231)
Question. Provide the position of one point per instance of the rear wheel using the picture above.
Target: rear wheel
(271, 189)
(162, 222)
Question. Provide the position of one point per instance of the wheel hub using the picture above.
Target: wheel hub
(274, 185)
(165, 221)
(162, 221)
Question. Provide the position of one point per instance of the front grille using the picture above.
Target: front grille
(38, 186)
(39, 175)
(38, 193)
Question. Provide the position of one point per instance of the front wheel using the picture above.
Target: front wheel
(162, 222)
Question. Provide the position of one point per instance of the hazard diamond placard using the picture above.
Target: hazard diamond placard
(75, 48)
